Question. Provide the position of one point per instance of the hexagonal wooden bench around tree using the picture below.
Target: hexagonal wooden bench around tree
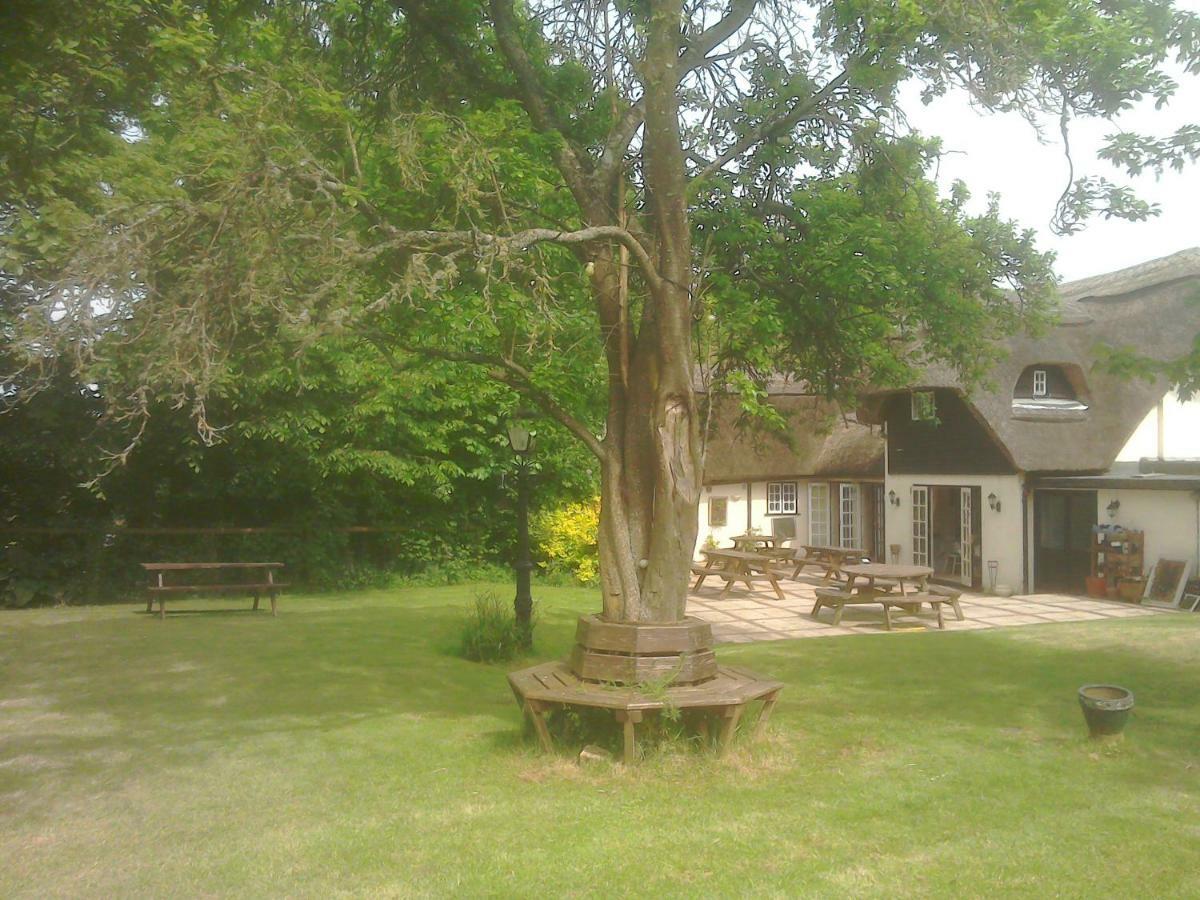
(633, 669)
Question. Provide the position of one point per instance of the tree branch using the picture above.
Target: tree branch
(512, 373)
(711, 38)
(777, 125)
(570, 163)
(433, 241)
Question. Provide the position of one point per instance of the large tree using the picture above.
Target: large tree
(601, 205)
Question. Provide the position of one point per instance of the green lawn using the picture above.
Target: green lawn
(342, 749)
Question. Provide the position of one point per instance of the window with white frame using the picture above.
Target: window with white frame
(718, 512)
(818, 514)
(1039, 382)
(848, 518)
(781, 498)
(924, 409)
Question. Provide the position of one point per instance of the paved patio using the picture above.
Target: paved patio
(759, 615)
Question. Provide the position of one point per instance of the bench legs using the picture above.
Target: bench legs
(273, 609)
(733, 715)
(255, 606)
(764, 717)
(534, 710)
(628, 719)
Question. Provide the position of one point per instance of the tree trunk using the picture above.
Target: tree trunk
(650, 484)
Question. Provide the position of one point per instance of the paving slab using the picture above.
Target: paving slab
(744, 616)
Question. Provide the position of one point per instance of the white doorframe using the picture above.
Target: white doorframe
(920, 525)
(966, 536)
(848, 518)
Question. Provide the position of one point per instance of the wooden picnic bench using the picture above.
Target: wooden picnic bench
(262, 573)
(829, 559)
(838, 600)
(893, 586)
(734, 566)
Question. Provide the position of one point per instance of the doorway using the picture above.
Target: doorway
(951, 532)
(1062, 539)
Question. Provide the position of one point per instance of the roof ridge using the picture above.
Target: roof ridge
(1175, 267)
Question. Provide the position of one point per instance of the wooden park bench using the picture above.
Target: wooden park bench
(258, 578)
(950, 595)
(734, 566)
(838, 600)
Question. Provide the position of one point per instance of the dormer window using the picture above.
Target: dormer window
(1039, 383)
(924, 408)
(1051, 391)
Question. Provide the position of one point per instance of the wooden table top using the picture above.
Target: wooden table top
(887, 570)
(734, 554)
(168, 567)
(851, 551)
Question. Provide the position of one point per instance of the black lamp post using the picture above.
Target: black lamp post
(520, 439)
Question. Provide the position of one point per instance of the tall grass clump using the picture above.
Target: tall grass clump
(491, 633)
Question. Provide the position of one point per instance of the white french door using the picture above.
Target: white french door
(818, 514)
(920, 525)
(966, 536)
(848, 515)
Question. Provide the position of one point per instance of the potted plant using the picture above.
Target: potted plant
(1131, 589)
(1105, 708)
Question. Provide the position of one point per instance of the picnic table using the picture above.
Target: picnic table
(259, 577)
(880, 579)
(753, 542)
(893, 575)
(735, 566)
(832, 560)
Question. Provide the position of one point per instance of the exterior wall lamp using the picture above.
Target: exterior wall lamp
(993, 503)
(1113, 508)
(893, 498)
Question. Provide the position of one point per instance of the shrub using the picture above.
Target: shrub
(568, 538)
(490, 632)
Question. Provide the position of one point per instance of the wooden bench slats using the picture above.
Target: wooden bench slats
(176, 567)
(159, 587)
(259, 586)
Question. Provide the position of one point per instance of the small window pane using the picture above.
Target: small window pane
(1039, 382)
(718, 511)
(924, 409)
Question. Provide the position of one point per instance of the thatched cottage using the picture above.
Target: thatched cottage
(1004, 483)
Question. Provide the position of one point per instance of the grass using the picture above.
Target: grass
(344, 750)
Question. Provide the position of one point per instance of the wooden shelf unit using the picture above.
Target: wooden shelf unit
(1112, 564)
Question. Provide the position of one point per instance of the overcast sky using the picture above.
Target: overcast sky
(1003, 154)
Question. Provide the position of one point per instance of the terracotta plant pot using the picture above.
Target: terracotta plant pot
(1131, 589)
(1097, 586)
(1105, 708)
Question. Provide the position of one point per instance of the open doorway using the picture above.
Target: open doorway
(1062, 535)
(955, 545)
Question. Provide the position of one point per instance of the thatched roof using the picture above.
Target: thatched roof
(819, 443)
(1149, 308)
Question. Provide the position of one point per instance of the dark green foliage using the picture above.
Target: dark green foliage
(491, 633)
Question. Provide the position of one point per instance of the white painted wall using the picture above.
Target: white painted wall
(1169, 519)
(736, 520)
(1001, 537)
(1181, 438)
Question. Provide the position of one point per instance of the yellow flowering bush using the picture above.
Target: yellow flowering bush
(568, 538)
